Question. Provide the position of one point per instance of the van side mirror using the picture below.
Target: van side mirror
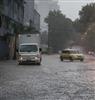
(40, 49)
(16, 50)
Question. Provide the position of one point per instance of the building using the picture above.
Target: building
(11, 22)
(28, 12)
(36, 20)
(31, 16)
(13, 15)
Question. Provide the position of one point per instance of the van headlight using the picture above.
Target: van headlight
(36, 58)
(20, 58)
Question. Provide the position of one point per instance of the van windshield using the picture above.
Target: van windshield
(28, 48)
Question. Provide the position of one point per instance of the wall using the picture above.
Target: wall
(36, 20)
(28, 11)
(12, 19)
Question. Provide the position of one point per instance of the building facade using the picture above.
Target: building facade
(31, 16)
(36, 20)
(28, 12)
(11, 22)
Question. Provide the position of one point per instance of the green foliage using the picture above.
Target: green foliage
(44, 38)
(85, 24)
(61, 30)
(90, 38)
(78, 26)
(87, 15)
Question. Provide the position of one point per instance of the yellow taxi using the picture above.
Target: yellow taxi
(71, 54)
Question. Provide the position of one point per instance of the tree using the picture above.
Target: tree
(87, 15)
(44, 38)
(60, 30)
(86, 24)
(90, 38)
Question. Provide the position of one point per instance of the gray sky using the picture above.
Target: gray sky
(71, 7)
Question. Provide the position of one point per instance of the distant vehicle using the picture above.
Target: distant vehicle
(29, 53)
(71, 54)
(29, 49)
(91, 53)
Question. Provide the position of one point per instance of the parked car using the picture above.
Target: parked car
(71, 54)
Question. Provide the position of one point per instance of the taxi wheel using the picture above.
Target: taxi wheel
(61, 58)
(81, 60)
(71, 59)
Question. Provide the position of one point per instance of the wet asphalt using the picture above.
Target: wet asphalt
(53, 80)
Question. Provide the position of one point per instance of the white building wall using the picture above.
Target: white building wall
(28, 11)
(31, 14)
(36, 20)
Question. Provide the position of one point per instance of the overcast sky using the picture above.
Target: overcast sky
(71, 7)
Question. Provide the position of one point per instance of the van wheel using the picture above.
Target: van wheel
(39, 63)
(19, 63)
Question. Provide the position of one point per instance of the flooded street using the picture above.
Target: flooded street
(53, 80)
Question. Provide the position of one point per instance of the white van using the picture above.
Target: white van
(29, 53)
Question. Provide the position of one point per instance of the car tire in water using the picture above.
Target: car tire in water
(71, 59)
(19, 63)
(81, 60)
(61, 58)
(39, 63)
